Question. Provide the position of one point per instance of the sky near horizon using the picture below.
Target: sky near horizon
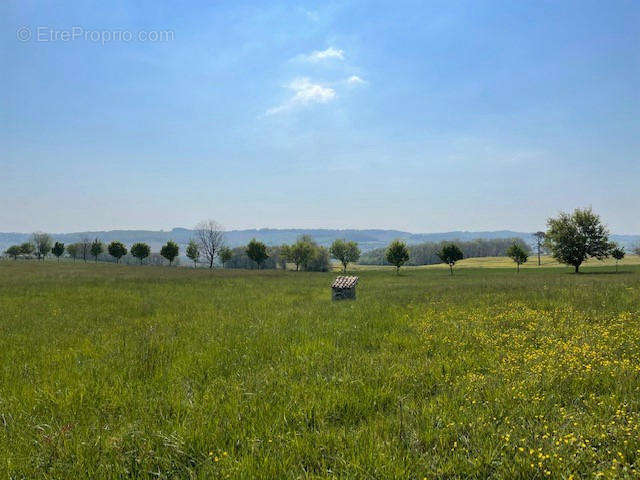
(419, 116)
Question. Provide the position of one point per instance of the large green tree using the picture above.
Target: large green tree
(140, 250)
(397, 254)
(518, 255)
(117, 250)
(450, 254)
(170, 251)
(257, 251)
(345, 252)
(58, 250)
(574, 237)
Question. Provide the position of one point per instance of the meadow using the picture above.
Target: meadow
(115, 371)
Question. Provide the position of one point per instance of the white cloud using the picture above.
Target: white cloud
(355, 80)
(329, 53)
(306, 93)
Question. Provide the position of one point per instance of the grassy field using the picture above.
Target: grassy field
(146, 372)
(505, 262)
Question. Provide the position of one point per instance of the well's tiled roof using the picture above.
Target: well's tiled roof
(344, 282)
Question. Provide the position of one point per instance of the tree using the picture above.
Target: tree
(193, 252)
(450, 254)
(573, 238)
(345, 252)
(27, 248)
(320, 260)
(96, 249)
(397, 254)
(618, 253)
(301, 252)
(285, 256)
(225, 255)
(117, 250)
(72, 250)
(140, 251)
(13, 251)
(210, 238)
(257, 251)
(170, 251)
(84, 247)
(518, 254)
(636, 249)
(539, 236)
(58, 249)
(42, 244)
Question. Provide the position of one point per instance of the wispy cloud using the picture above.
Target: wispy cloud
(320, 55)
(355, 80)
(306, 93)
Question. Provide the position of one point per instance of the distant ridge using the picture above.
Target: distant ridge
(367, 238)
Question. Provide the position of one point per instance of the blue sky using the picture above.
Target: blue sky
(421, 116)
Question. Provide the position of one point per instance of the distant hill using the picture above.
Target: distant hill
(367, 239)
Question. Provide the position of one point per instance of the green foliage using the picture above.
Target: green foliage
(572, 238)
(141, 251)
(96, 249)
(193, 252)
(42, 244)
(117, 250)
(345, 252)
(518, 255)
(13, 251)
(285, 252)
(173, 373)
(225, 255)
(305, 253)
(257, 251)
(427, 253)
(320, 260)
(58, 250)
(170, 251)
(73, 249)
(300, 253)
(450, 254)
(618, 253)
(397, 254)
(27, 248)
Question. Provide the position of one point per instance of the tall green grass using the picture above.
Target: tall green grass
(144, 372)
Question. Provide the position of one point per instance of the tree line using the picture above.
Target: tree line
(206, 249)
(427, 253)
(571, 238)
